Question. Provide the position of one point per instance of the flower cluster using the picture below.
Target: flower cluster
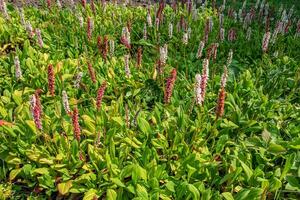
(198, 92)
(51, 80)
(65, 101)
(125, 37)
(18, 71)
(100, 94)
(222, 95)
(90, 25)
(204, 78)
(265, 41)
(36, 109)
(39, 37)
(127, 69)
(169, 86)
(76, 126)
(92, 72)
(78, 79)
(200, 49)
(139, 56)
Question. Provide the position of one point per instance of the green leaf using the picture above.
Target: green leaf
(293, 181)
(170, 186)
(221, 143)
(194, 191)
(42, 170)
(63, 188)
(14, 173)
(141, 191)
(276, 148)
(17, 97)
(111, 194)
(227, 196)
(248, 171)
(144, 126)
(90, 194)
(118, 120)
(118, 182)
(288, 164)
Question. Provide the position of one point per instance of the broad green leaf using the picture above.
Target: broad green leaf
(64, 188)
(144, 126)
(17, 97)
(118, 120)
(221, 143)
(194, 191)
(13, 173)
(43, 170)
(141, 191)
(276, 148)
(90, 195)
(248, 171)
(170, 185)
(288, 164)
(111, 194)
(118, 182)
(227, 196)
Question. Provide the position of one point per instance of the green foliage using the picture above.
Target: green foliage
(136, 146)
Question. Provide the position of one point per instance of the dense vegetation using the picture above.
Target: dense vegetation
(104, 101)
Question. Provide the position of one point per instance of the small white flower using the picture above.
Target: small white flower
(170, 30)
(17, 68)
(198, 95)
(39, 37)
(78, 79)
(185, 38)
(149, 19)
(200, 49)
(65, 101)
(127, 69)
(265, 41)
(229, 59)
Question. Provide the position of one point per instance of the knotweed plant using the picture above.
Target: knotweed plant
(139, 57)
(92, 72)
(204, 78)
(222, 95)
(18, 71)
(78, 79)
(163, 51)
(29, 29)
(105, 47)
(149, 19)
(75, 123)
(36, 110)
(51, 80)
(170, 30)
(222, 34)
(127, 68)
(100, 94)
(198, 92)
(200, 49)
(265, 41)
(39, 37)
(170, 86)
(229, 58)
(90, 25)
(185, 38)
(65, 101)
(125, 37)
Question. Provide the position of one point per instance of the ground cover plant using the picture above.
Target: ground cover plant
(101, 100)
